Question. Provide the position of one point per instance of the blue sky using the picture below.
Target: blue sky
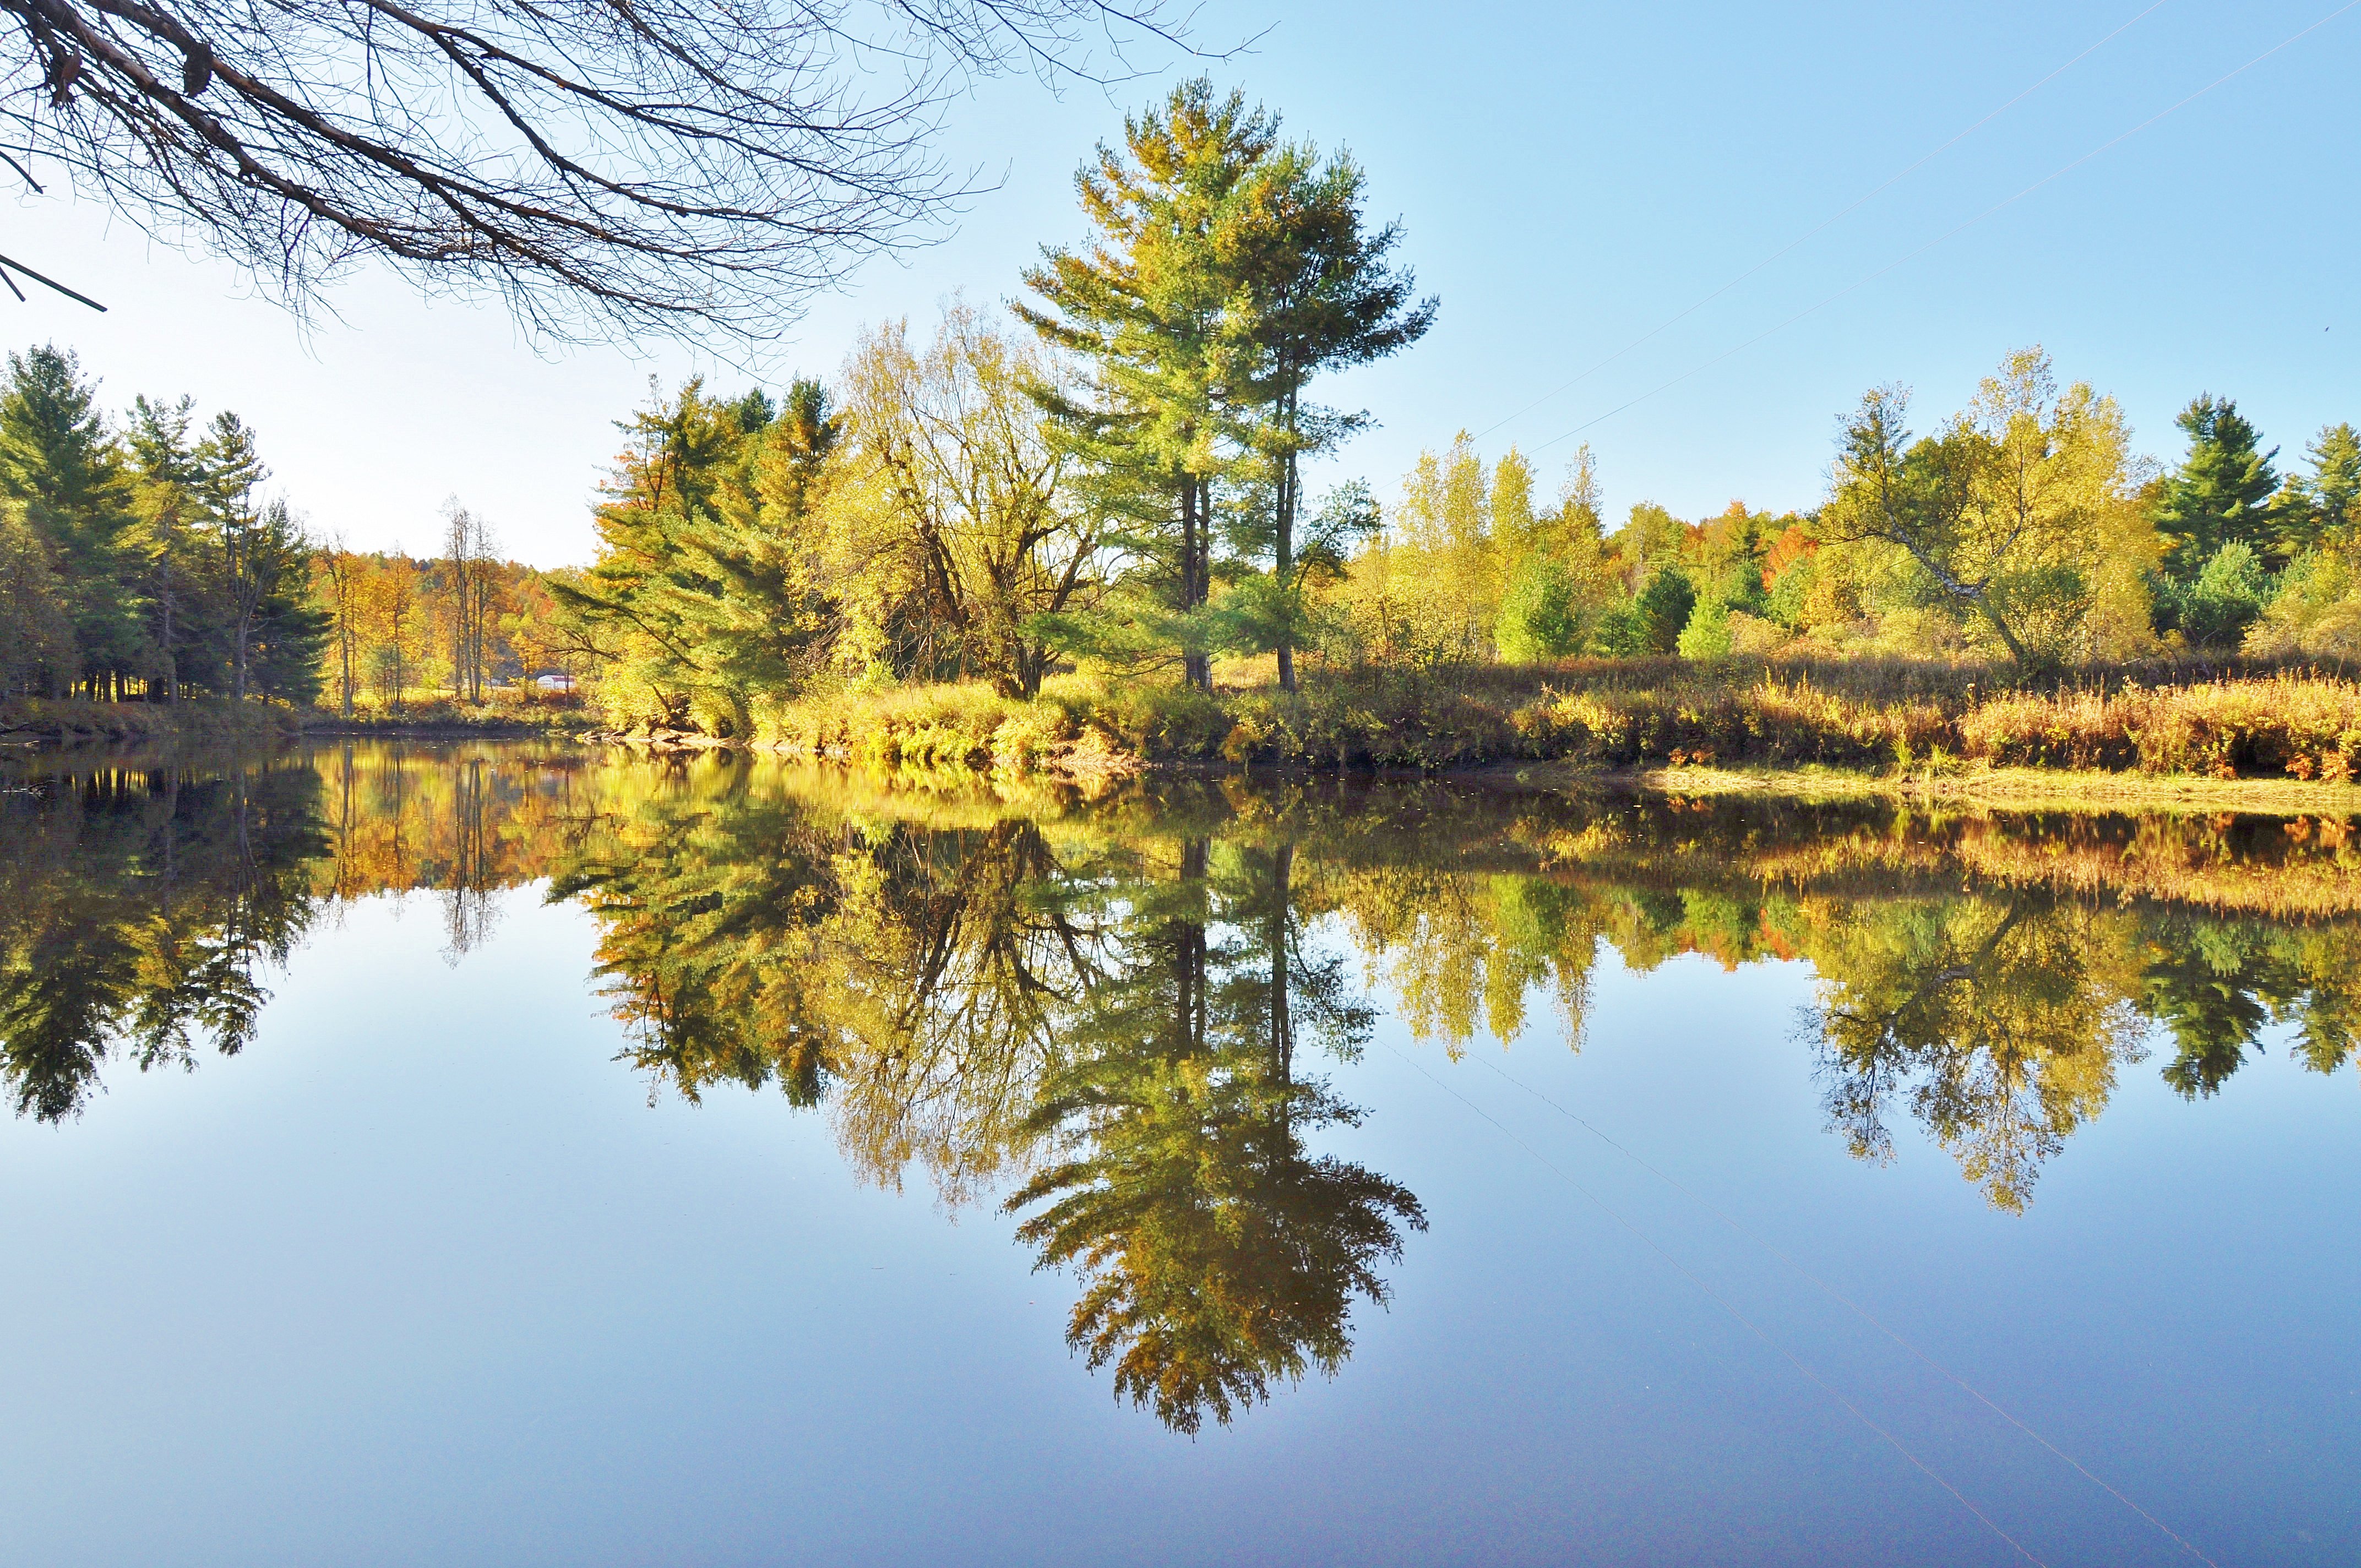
(1570, 178)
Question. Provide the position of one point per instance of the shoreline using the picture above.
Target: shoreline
(2019, 788)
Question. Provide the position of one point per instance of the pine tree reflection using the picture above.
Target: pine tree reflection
(975, 1000)
(137, 910)
(1217, 1255)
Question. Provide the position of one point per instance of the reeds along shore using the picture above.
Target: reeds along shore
(75, 721)
(36, 722)
(2301, 724)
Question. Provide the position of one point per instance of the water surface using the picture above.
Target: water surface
(514, 1155)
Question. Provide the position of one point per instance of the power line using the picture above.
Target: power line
(1724, 1303)
(1825, 223)
(1855, 1308)
(1912, 256)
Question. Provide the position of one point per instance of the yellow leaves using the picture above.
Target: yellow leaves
(944, 527)
(1429, 588)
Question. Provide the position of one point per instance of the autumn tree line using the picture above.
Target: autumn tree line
(142, 558)
(1108, 477)
(2023, 527)
(460, 628)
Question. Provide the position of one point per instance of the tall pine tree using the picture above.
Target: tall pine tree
(2324, 506)
(63, 482)
(2222, 490)
(168, 503)
(1157, 305)
(1323, 296)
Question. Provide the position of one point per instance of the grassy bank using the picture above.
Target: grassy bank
(41, 722)
(1945, 729)
(449, 718)
(73, 722)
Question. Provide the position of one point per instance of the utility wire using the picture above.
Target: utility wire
(1912, 256)
(1863, 1313)
(1724, 1303)
(1827, 222)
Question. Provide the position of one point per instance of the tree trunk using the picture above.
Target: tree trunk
(1283, 558)
(1282, 1020)
(1195, 858)
(1197, 668)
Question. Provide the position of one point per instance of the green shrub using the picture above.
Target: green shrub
(1707, 636)
(2215, 608)
(1538, 619)
(1663, 609)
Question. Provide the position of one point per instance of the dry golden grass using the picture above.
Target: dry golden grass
(1953, 728)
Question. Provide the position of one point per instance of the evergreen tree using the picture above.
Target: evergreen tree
(701, 597)
(62, 480)
(681, 451)
(289, 630)
(166, 500)
(2221, 493)
(796, 445)
(1322, 296)
(239, 556)
(1663, 609)
(2324, 506)
(36, 636)
(1151, 303)
(1538, 619)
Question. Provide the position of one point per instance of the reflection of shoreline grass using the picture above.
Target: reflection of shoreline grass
(2022, 788)
(2122, 735)
(440, 723)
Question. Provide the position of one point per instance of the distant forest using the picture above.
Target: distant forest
(141, 559)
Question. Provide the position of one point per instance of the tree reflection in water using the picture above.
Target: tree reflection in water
(1987, 1013)
(1217, 1256)
(1109, 1014)
(138, 908)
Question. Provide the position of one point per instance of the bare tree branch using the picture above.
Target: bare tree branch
(604, 167)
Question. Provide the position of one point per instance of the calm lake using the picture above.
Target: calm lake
(514, 1155)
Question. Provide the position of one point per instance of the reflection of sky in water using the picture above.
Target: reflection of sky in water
(424, 1275)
